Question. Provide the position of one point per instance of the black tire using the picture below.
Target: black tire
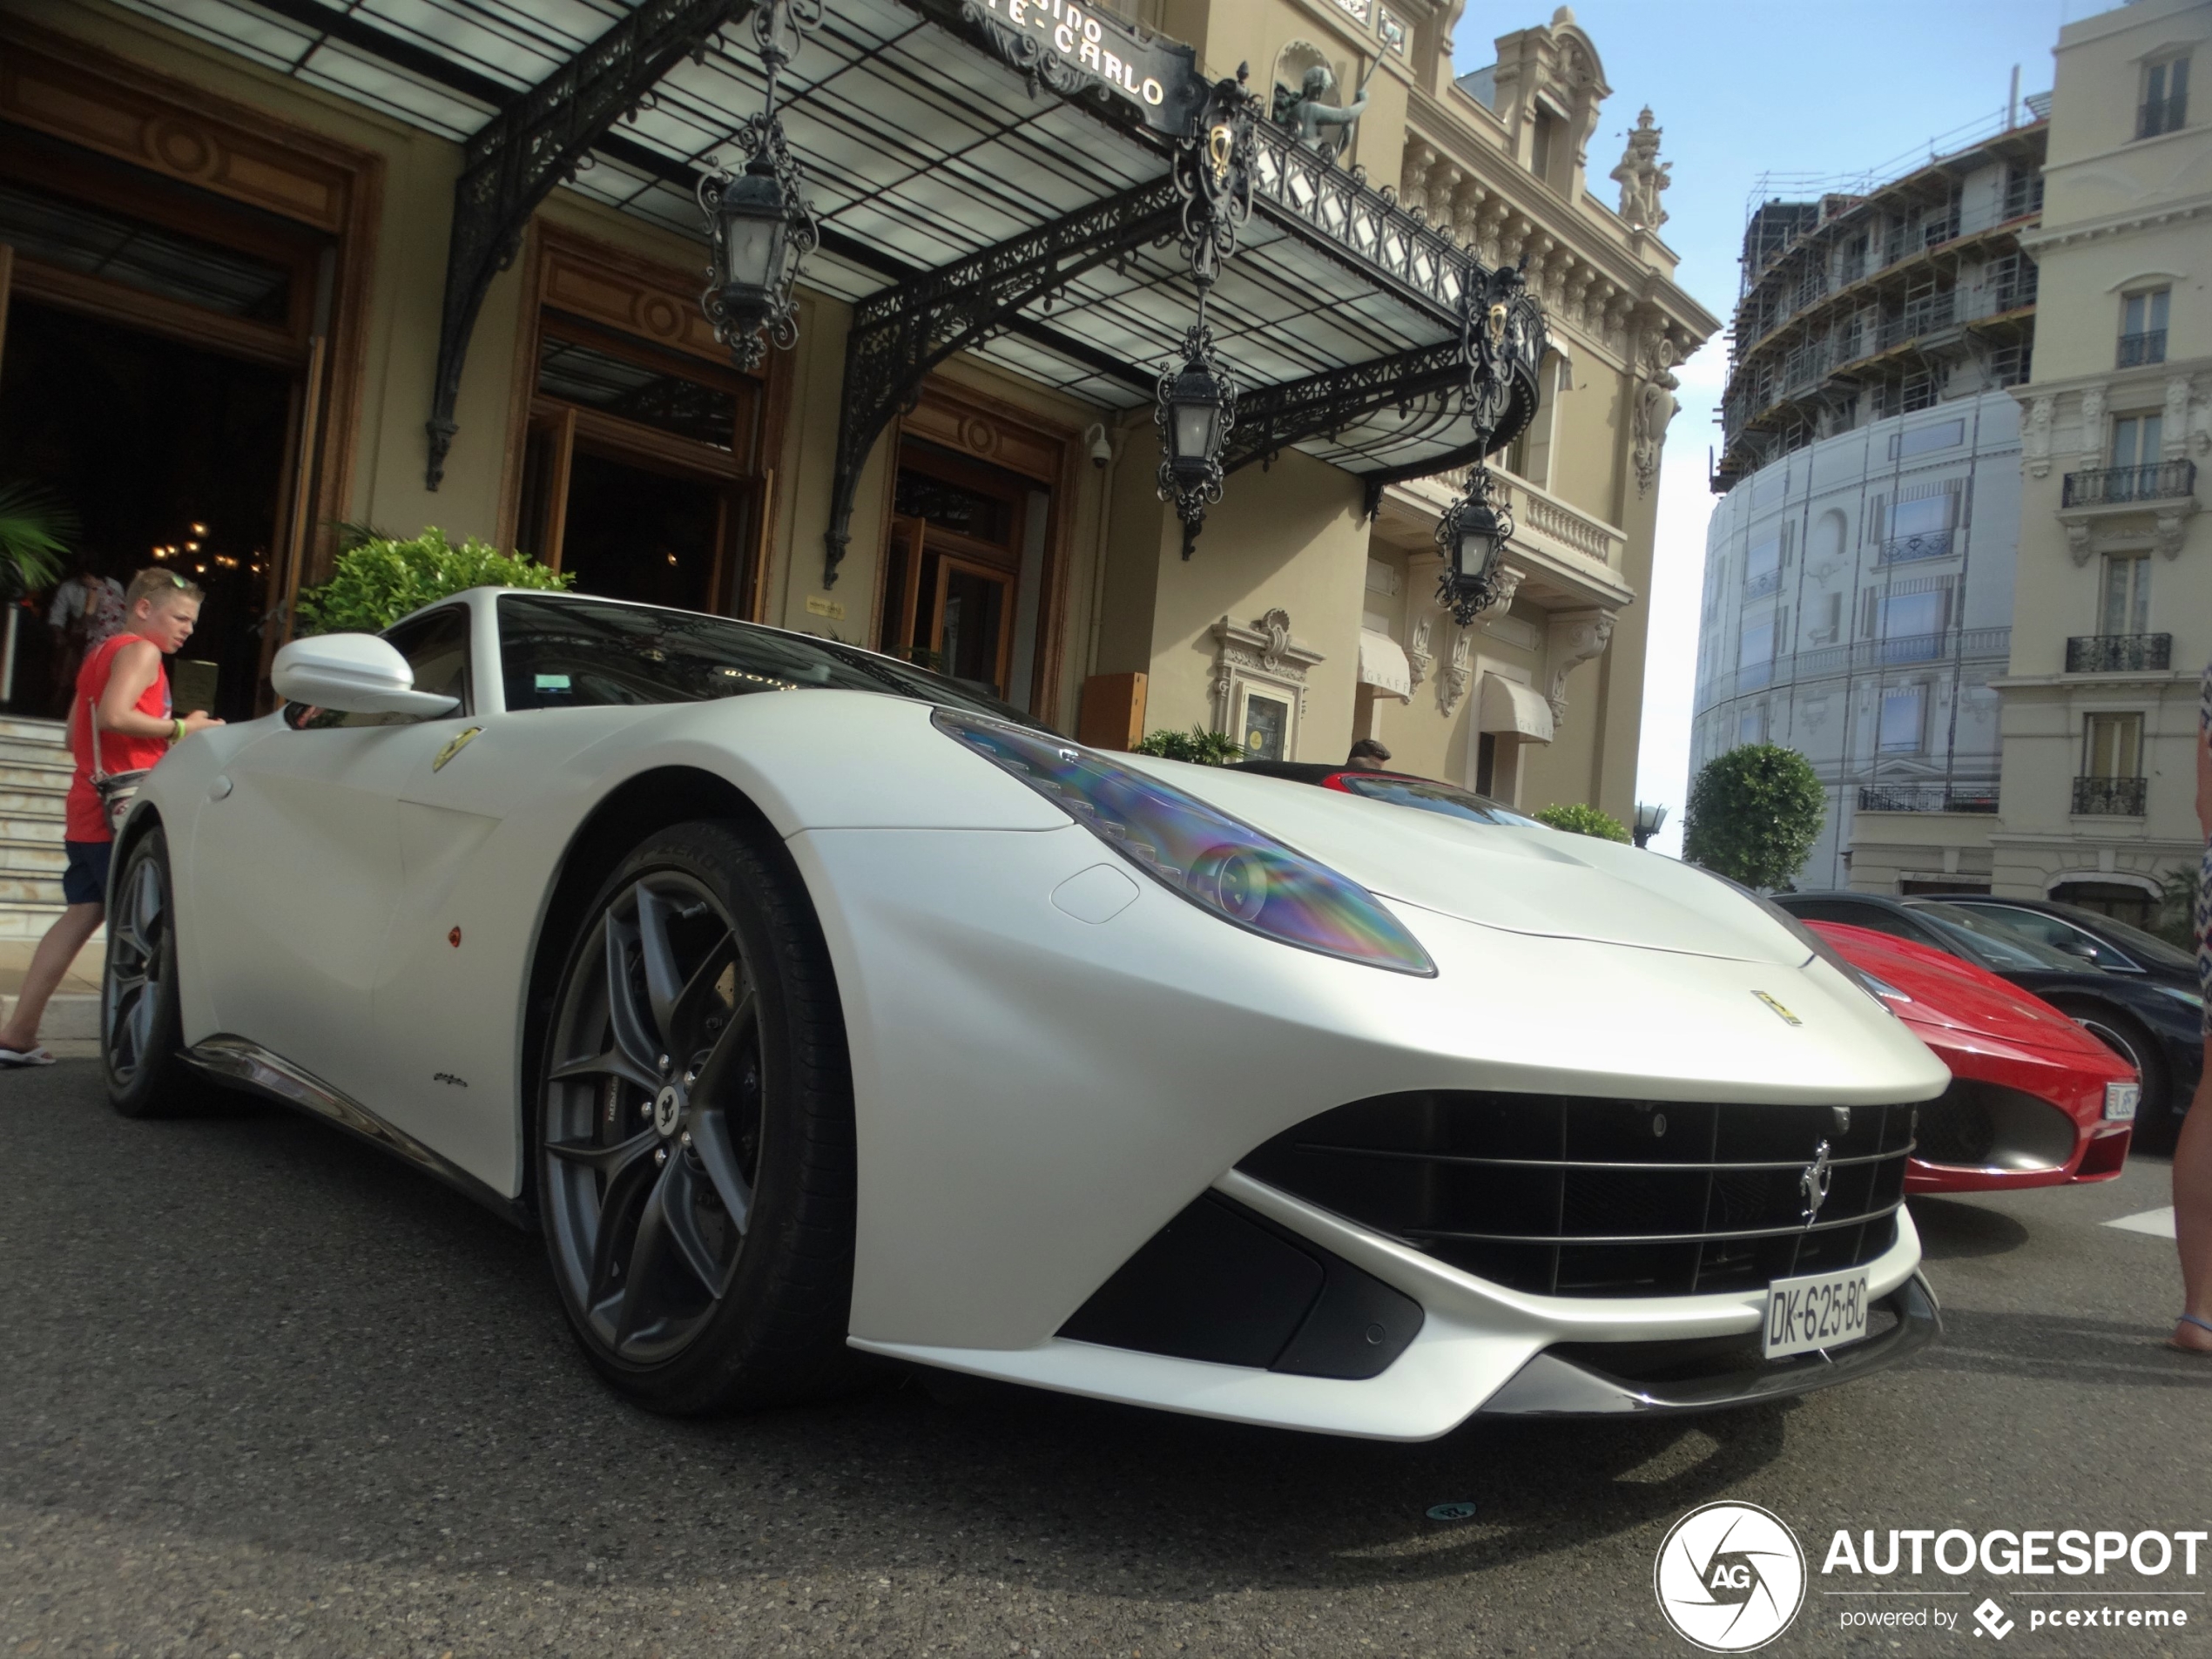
(2155, 1124)
(141, 1028)
(694, 1124)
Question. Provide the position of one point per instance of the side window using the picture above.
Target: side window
(2062, 935)
(436, 648)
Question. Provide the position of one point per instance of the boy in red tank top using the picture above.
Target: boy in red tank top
(122, 688)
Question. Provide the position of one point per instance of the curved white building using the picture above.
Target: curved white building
(1858, 600)
(1858, 575)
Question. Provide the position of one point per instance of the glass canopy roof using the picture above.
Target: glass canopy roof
(921, 148)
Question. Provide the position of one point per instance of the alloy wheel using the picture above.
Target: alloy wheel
(653, 1117)
(136, 932)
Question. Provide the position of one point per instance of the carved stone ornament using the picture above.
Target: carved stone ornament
(1641, 175)
(2175, 427)
(2035, 435)
(2093, 425)
(2172, 528)
(1508, 581)
(2077, 541)
(2201, 426)
(1458, 672)
(1421, 657)
(1263, 654)
(1655, 409)
(1576, 636)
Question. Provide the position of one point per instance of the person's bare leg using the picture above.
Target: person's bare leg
(2192, 1213)
(48, 963)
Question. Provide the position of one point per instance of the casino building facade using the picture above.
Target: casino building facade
(276, 270)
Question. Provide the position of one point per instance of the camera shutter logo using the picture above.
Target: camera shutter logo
(1730, 1577)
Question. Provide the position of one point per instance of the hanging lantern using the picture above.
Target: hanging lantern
(749, 239)
(759, 226)
(1194, 421)
(1473, 533)
(1195, 409)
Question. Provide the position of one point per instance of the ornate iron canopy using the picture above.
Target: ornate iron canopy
(986, 174)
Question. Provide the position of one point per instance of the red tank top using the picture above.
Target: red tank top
(120, 751)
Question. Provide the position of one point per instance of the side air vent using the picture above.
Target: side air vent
(1221, 1284)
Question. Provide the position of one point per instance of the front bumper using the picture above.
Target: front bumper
(1476, 1340)
(1555, 1385)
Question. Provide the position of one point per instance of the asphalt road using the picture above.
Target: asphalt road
(266, 1392)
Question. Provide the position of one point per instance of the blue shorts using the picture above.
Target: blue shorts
(85, 880)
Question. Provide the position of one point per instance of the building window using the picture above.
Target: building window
(2166, 98)
(1829, 611)
(1904, 720)
(1763, 567)
(2136, 439)
(1750, 725)
(2127, 594)
(1755, 657)
(2142, 327)
(1540, 145)
(2112, 746)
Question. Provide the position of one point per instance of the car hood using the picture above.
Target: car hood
(1523, 880)
(1948, 994)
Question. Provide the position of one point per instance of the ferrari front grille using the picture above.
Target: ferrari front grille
(1577, 1196)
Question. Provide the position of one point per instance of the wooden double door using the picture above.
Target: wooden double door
(641, 471)
(962, 588)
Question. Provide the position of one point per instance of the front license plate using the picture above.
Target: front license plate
(1820, 1310)
(2121, 1101)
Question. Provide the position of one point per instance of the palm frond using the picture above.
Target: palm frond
(36, 529)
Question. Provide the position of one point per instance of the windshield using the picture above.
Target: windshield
(1427, 796)
(2147, 948)
(1991, 942)
(566, 653)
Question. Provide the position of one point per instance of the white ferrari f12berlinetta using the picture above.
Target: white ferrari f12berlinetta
(815, 1007)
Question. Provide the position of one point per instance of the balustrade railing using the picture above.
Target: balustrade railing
(1928, 798)
(2136, 350)
(1906, 549)
(2109, 797)
(2118, 485)
(2119, 653)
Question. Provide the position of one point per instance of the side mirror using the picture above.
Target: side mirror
(2082, 948)
(354, 673)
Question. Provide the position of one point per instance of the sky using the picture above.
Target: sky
(1743, 89)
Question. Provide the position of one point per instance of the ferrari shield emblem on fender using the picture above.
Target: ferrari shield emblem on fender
(1792, 1018)
(461, 742)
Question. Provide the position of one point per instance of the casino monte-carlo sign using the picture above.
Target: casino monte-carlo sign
(1074, 48)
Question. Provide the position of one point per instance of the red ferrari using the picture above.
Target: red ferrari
(2034, 1100)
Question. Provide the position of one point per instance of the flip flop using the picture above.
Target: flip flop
(2202, 1324)
(26, 1057)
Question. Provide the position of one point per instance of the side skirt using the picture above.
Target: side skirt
(237, 1063)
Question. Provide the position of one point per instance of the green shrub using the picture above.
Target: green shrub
(1754, 814)
(1578, 820)
(377, 580)
(1197, 746)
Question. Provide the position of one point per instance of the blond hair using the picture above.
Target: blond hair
(156, 583)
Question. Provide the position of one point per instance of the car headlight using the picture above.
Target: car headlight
(1221, 864)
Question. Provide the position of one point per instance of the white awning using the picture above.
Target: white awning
(1383, 664)
(1522, 710)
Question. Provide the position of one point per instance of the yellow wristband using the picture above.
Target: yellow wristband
(179, 738)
